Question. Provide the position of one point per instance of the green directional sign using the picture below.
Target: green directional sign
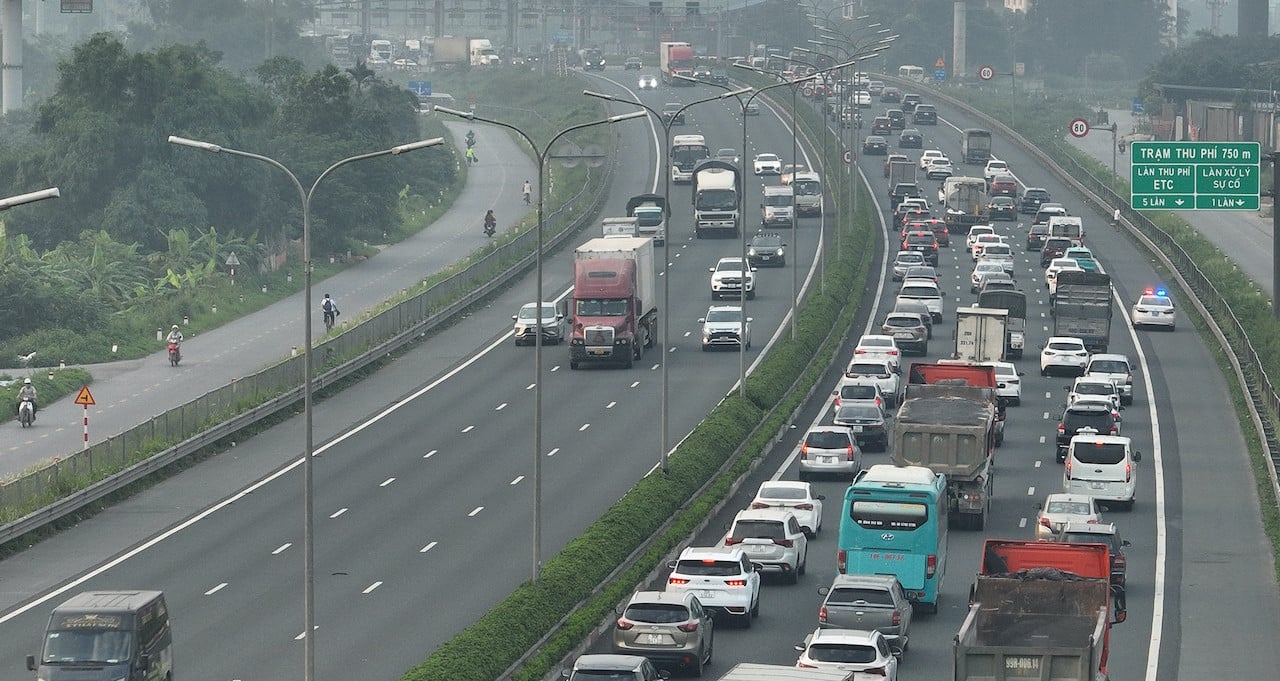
(1194, 175)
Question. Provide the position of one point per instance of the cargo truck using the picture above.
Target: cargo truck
(975, 145)
(980, 334)
(675, 59)
(1082, 308)
(901, 171)
(1038, 610)
(614, 314)
(751, 671)
(1015, 303)
(947, 423)
(716, 186)
(963, 201)
(620, 227)
(650, 211)
(463, 51)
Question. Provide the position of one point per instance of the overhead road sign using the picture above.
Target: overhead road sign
(1194, 175)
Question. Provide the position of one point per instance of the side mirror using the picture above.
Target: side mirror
(144, 662)
(671, 564)
(799, 649)
(821, 497)
(702, 320)
(31, 663)
(564, 673)
(514, 317)
(711, 269)
(1137, 457)
(1125, 542)
(824, 590)
(750, 318)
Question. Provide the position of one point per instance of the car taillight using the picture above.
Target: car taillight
(897, 617)
(735, 582)
(1119, 560)
(1046, 523)
(688, 626)
(804, 451)
(930, 566)
(801, 665)
(758, 504)
(842, 561)
(804, 507)
(859, 351)
(730, 541)
(822, 614)
(784, 542)
(677, 580)
(875, 671)
(1062, 429)
(893, 352)
(920, 329)
(1128, 472)
(849, 456)
(1114, 430)
(1068, 469)
(625, 624)
(1091, 521)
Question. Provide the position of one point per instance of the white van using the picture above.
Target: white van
(808, 189)
(1068, 226)
(776, 208)
(1104, 467)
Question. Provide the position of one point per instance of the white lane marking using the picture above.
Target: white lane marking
(428, 547)
(517, 480)
(1046, 416)
(338, 513)
(1022, 522)
(1031, 491)
(584, 427)
(386, 482)
(216, 589)
(530, 386)
(430, 454)
(468, 429)
(610, 405)
(655, 367)
(475, 511)
(553, 451)
(282, 548)
(500, 407)
(635, 384)
(369, 589)
(1037, 462)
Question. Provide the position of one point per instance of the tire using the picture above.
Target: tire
(573, 364)
(744, 620)
(804, 560)
(696, 670)
(751, 295)
(755, 610)
(793, 577)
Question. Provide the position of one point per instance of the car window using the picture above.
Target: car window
(860, 594)
(1108, 366)
(1099, 420)
(827, 439)
(1155, 301)
(709, 568)
(919, 292)
(842, 653)
(1064, 346)
(656, 613)
(866, 369)
(602, 675)
(758, 529)
(784, 493)
(858, 411)
(1098, 453)
(1072, 507)
(902, 321)
(867, 342)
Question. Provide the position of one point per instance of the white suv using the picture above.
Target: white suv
(879, 371)
(723, 326)
(1115, 368)
(773, 539)
(727, 279)
(723, 579)
(1104, 467)
(1063, 353)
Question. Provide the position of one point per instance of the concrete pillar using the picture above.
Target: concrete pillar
(958, 69)
(11, 57)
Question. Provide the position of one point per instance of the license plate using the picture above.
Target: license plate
(765, 257)
(1097, 485)
(706, 594)
(856, 429)
(828, 459)
(598, 351)
(655, 639)
(904, 334)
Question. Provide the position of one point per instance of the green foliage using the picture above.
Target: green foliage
(1219, 61)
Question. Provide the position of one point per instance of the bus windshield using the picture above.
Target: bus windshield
(686, 156)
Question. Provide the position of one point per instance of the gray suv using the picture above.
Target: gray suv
(673, 630)
(868, 602)
(613, 668)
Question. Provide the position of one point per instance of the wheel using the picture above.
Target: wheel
(803, 561)
(696, 671)
(573, 364)
(755, 609)
(751, 295)
(651, 336)
(793, 577)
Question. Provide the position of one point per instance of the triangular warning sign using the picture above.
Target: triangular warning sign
(940, 64)
(85, 398)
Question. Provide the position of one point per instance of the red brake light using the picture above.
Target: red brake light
(804, 451)
(730, 541)
(784, 542)
(897, 617)
(1061, 429)
(804, 507)
(842, 561)
(893, 352)
(677, 580)
(859, 351)
(1114, 431)
(625, 624)
(735, 582)
(1045, 522)
(849, 454)
(1068, 469)
(1128, 472)
(757, 504)
(801, 665)
(688, 626)
(875, 671)
(931, 566)
(822, 614)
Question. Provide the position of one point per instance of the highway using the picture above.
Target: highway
(423, 489)
(1202, 595)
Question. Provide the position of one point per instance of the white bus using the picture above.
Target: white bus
(915, 73)
(686, 152)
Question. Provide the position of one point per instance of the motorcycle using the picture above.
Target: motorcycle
(26, 413)
(490, 229)
(175, 354)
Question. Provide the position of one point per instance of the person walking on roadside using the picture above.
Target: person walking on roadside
(527, 190)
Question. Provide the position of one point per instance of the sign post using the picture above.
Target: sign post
(1194, 175)
(85, 399)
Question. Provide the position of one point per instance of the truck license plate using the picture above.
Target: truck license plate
(1022, 665)
(598, 351)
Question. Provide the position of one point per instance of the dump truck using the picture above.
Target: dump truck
(1038, 610)
(675, 59)
(1015, 303)
(1082, 308)
(980, 334)
(947, 423)
(963, 201)
(651, 212)
(614, 313)
(716, 186)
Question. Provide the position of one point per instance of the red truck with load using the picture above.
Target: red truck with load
(614, 312)
(1039, 610)
(675, 59)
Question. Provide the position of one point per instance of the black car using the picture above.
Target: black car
(910, 138)
(1002, 208)
(632, 64)
(1036, 236)
(1032, 197)
(881, 125)
(897, 119)
(910, 101)
(671, 112)
(925, 243)
(903, 190)
(767, 249)
(924, 114)
(1082, 417)
(891, 95)
(1099, 533)
(867, 423)
(875, 144)
(720, 77)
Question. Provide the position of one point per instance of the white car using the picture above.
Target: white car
(881, 372)
(975, 232)
(999, 252)
(1063, 353)
(861, 99)
(797, 497)
(837, 648)
(939, 169)
(723, 328)
(722, 577)
(981, 241)
(982, 268)
(905, 260)
(1059, 509)
(554, 326)
(727, 279)
(772, 539)
(647, 83)
(1092, 387)
(995, 167)
(1154, 308)
(929, 155)
(1008, 382)
(878, 346)
(1055, 266)
(1115, 368)
(405, 64)
(767, 164)
(925, 292)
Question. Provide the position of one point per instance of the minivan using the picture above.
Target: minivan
(1068, 226)
(106, 636)
(1104, 467)
(776, 208)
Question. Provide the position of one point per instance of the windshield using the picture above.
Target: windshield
(766, 242)
(649, 217)
(842, 653)
(888, 515)
(1072, 507)
(777, 200)
(859, 392)
(601, 307)
(867, 369)
(1154, 301)
(688, 155)
(709, 567)
(1108, 366)
(601, 675)
(860, 594)
(657, 613)
(530, 312)
(717, 199)
(1067, 347)
(734, 265)
(1098, 453)
(724, 315)
(780, 492)
(827, 439)
(1108, 388)
(807, 187)
(859, 411)
(758, 529)
(767, 158)
(88, 645)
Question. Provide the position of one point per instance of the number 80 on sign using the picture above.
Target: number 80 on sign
(1079, 127)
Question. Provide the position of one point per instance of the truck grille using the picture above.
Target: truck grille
(598, 336)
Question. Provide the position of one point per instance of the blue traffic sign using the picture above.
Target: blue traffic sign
(939, 75)
(422, 88)
(562, 37)
(1137, 106)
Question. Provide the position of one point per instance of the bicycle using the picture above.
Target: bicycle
(329, 321)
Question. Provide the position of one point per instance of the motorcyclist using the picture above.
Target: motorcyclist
(175, 336)
(330, 309)
(490, 222)
(27, 392)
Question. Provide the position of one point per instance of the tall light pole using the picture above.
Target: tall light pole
(308, 486)
(543, 154)
(664, 149)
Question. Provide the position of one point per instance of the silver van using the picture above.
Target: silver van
(776, 208)
(1104, 467)
(107, 636)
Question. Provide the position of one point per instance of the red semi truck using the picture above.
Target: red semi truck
(614, 312)
(675, 59)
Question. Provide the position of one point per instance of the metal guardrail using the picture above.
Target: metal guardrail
(369, 341)
(1264, 400)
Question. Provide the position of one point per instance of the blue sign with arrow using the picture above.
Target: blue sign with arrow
(422, 88)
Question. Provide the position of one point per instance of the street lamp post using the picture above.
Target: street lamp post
(543, 154)
(32, 197)
(664, 149)
(308, 539)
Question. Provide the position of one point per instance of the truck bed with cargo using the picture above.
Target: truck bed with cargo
(614, 312)
(1082, 308)
(901, 171)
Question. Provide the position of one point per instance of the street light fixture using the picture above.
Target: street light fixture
(32, 197)
(308, 539)
(666, 261)
(543, 154)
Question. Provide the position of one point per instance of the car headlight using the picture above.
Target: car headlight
(751, 252)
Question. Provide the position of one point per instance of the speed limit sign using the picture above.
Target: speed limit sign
(1079, 127)
(848, 156)
(986, 72)
(808, 92)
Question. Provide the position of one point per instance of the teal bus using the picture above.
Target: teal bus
(894, 522)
